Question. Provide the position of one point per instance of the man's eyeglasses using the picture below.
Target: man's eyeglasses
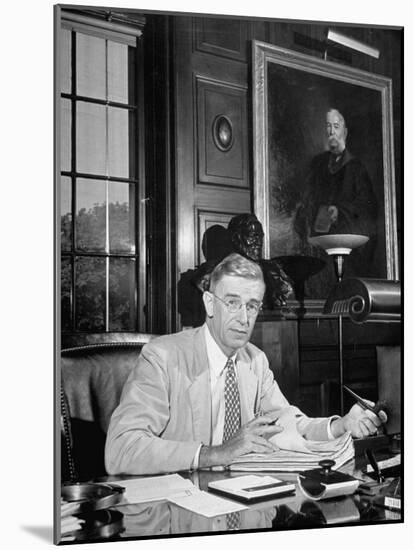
(235, 304)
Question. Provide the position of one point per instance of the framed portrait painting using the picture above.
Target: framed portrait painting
(302, 175)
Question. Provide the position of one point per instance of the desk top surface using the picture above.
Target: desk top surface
(294, 511)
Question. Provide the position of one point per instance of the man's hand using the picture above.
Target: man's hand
(252, 437)
(360, 422)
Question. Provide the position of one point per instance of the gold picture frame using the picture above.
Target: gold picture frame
(291, 92)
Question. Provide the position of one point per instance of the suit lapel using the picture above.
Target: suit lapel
(199, 391)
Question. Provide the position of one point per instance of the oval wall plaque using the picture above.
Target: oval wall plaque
(223, 133)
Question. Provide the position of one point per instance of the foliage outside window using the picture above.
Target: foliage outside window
(102, 280)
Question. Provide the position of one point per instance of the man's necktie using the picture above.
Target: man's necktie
(231, 403)
(233, 521)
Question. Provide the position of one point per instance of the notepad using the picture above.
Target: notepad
(249, 488)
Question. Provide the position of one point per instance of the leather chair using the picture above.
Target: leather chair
(93, 373)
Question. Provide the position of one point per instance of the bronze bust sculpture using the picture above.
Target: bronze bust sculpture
(246, 235)
(284, 276)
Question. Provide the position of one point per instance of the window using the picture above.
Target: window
(103, 286)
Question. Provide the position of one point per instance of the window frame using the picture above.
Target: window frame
(130, 35)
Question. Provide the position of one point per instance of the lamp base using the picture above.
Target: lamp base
(339, 261)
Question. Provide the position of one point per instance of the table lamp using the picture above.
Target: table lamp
(339, 246)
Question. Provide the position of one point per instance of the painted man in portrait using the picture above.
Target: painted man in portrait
(339, 196)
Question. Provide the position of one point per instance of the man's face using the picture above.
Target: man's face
(251, 240)
(232, 331)
(336, 132)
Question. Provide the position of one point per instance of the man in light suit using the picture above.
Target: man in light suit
(206, 396)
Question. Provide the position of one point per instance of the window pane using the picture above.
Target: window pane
(90, 215)
(65, 134)
(65, 294)
(91, 138)
(90, 293)
(65, 60)
(117, 72)
(90, 69)
(122, 310)
(118, 143)
(65, 214)
(121, 217)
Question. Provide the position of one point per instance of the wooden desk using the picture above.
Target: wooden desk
(158, 519)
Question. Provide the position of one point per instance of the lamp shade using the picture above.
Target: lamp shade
(339, 243)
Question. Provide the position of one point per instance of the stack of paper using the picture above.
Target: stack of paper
(341, 450)
(149, 489)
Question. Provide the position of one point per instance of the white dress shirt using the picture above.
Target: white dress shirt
(217, 362)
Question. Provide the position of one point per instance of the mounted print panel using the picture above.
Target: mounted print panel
(222, 37)
(222, 134)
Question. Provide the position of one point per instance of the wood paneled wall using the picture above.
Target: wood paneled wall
(213, 182)
(213, 136)
(212, 70)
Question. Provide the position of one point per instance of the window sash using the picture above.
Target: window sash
(137, 255)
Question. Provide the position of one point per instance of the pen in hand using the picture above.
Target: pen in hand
(379, 406)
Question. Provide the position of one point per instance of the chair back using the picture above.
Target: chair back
(93, 373)
(389, 385)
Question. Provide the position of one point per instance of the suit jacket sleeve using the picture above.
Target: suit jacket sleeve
(134, 444)
(272, 398)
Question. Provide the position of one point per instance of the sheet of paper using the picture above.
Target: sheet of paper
(341, 450)
(206, 504)
(289, 438)
(148, 489)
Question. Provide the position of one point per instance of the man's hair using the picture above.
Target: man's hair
(236, 265)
